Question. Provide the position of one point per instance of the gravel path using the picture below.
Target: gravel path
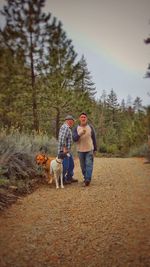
(104, 225)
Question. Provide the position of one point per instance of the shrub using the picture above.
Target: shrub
(4, 182)
(18, 150)
(141, 151)
(112, 149)
(18, 165)
(17, 142)
(19, 173)
(103, 148)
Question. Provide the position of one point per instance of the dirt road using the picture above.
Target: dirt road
(104, 225)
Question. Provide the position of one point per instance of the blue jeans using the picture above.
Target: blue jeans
(68, 167)
(86, 163)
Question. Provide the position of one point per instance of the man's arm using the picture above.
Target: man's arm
(63, 139)
(93, 135)
(75, 135)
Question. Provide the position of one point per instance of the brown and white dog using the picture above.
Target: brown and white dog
(44, 161)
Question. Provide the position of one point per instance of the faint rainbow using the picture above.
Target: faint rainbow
(107, 54)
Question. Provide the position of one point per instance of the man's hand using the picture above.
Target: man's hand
(82, 132)
(94, 153)
(65, 150)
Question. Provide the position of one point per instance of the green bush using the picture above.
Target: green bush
(15, 141)
(17, 152)
(4, 182)
(141, 151)
(112, 149)
(102, 148)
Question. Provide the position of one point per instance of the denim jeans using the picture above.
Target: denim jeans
(68, 167)
(86, 163)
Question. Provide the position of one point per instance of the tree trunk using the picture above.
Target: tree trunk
(57, 123)
(34, 100)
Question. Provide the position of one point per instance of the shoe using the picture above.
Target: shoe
(87, 183)
(67, 182)
(73, 180)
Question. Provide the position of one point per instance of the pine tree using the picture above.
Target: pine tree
(129, 101)
(25, 31)
(84, 89)
(14, 97)
(137, 104)
(59, 81)
(113, 106)
(123, 105)
(101, 115)
(103, 97)
(84, 82)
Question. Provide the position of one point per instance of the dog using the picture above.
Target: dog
(44, 161)
(53, 167)
(56, 170)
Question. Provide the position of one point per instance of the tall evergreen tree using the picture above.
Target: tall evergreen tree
(137, 104)
(101, 115)
(14, 98)
(25, 31)
(84, 82)
(84, 88)
(123, 105)
(129, 101)
(60, 70)
(113, 106)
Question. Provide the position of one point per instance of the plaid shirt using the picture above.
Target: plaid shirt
(65, 138)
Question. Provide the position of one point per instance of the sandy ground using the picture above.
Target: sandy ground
(104, 225)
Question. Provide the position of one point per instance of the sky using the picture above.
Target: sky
(110, 34)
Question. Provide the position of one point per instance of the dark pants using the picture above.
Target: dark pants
(68, 167)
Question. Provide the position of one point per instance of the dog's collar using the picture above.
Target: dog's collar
(58, 161)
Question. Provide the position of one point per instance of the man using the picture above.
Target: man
(84, 136)
(64, 146)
